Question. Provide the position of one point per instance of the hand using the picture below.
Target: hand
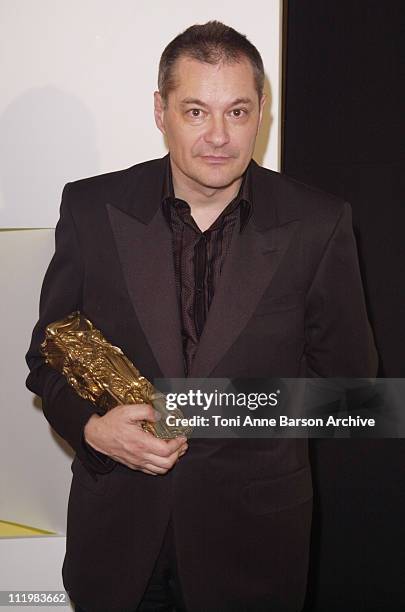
(119, 434)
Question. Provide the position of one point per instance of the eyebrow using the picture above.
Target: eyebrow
(199, 102)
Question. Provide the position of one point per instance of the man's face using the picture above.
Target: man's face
(211, 120)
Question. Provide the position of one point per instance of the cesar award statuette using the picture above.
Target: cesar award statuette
(101, 373)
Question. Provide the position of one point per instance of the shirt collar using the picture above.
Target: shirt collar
(244, 196)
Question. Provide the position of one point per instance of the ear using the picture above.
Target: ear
(261, 107)
(159, 111)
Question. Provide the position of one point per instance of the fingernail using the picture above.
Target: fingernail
(158, 416)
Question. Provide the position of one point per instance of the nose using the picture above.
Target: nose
(217, 134)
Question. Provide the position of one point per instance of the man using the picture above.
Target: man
(200, 264)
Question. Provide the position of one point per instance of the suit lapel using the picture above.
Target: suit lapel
(143, 242)
(249, 267)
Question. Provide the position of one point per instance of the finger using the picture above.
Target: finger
(168, 447)
(155, 469)
(141, 412)
(130, 464)
(162, 462)
(157, 446)
(145, 471)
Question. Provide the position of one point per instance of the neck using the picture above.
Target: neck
(203, 201)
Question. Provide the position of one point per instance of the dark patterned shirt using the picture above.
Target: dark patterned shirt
(199, 256)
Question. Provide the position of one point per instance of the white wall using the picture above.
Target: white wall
(77, 89)
(34, 463)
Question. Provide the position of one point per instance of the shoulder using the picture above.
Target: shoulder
(112, 185)
(296, 200)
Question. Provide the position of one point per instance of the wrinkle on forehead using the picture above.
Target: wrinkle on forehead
(213, 82)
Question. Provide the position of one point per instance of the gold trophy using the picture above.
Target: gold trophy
(101, 373)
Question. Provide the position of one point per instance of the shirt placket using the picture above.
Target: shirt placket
(200, 273)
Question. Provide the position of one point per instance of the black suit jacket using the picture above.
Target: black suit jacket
(289, 304)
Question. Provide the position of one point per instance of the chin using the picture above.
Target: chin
(217, 178)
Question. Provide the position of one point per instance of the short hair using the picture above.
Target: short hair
(213, 42)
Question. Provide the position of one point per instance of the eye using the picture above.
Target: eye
(238, 112)
(195, 113)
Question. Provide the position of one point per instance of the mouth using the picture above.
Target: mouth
(216, 159)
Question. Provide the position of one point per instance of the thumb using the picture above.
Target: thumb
(142, 412)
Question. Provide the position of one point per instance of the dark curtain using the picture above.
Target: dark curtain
(343, 132)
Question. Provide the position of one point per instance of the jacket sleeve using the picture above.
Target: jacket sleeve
(339, 340)
(61, 294)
